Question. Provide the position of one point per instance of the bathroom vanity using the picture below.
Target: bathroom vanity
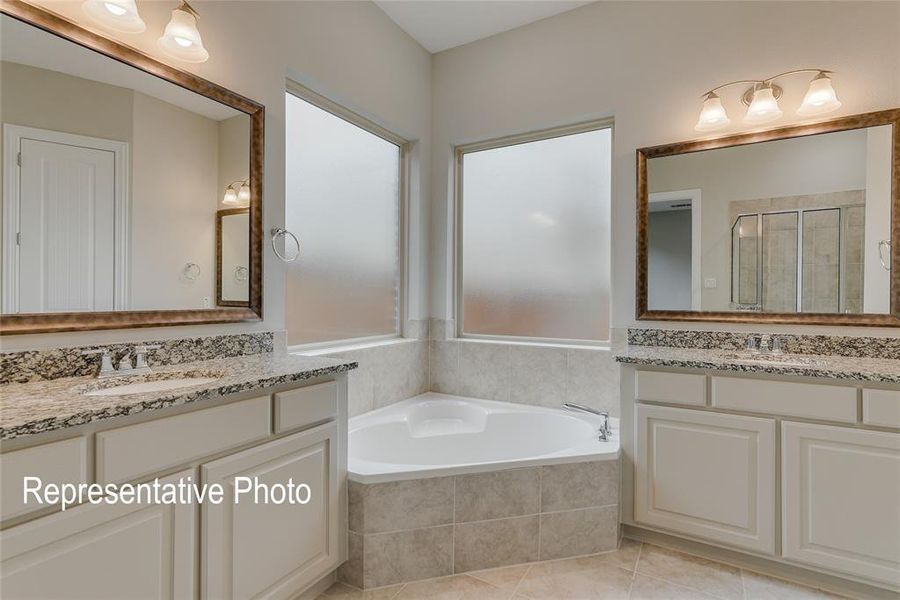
(266, 416)
(795, 462)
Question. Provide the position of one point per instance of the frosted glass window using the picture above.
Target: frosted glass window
(535, 238)
(342, 199)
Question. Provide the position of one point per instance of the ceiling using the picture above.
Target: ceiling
(442, 24)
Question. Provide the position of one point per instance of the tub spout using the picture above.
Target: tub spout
(604, 431)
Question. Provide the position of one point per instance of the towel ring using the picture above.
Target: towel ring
(278, 232)
(191, 271)
(883, 244)
(241, 273)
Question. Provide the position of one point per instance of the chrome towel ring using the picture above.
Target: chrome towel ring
(886, 263)
(278, 232)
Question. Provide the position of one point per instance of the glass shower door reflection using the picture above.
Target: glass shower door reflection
(779, 262)
(821, 260)
(745, 262)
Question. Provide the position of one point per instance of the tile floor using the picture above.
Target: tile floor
(636, 571)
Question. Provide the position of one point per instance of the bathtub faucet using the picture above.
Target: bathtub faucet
(605, 432)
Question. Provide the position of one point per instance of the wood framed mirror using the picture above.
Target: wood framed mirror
(795, 225)
(115, 168)
(232, 271)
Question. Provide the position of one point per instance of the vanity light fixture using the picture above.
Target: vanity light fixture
(237, 192)
(118, 15)
(761, 99)
(181, 38)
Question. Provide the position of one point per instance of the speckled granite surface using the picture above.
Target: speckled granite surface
(42, 365)
(831, 345)
(36, 407)
(876, 370)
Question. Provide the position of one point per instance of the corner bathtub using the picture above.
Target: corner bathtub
(435, 435)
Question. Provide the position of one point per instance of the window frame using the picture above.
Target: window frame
(354, 118)
(459, 153)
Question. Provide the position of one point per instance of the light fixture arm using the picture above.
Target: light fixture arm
(188, 8)
(766, 81)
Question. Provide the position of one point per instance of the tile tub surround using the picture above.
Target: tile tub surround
(824, 345)
(42, 365)
(543, 375)
(834, 367)
(41, 406)
(421, 528)
(634, 571)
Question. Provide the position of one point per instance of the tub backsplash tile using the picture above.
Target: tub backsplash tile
(836, 345)
(42, 365)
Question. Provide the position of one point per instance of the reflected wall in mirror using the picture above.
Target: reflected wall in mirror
(113, 178)
(785, 226)
(232, 268)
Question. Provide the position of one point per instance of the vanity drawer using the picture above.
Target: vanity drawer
(881, 408)
(132, 452)
(58, 462)
(305, 406)
(674, 388)
(808, 400)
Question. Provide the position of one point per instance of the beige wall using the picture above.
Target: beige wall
(234, 153)
(646, 64)
(349, 51)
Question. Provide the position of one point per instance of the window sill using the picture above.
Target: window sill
(599, 346)
(349, 346)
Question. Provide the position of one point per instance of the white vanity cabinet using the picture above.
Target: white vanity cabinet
(706, 474)
(219, 551)
(841, 505)
(256, 550)
(103, 551)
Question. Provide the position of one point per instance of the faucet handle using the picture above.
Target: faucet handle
(106, 366)
(140, 355)
(776, 345)
(750, 344)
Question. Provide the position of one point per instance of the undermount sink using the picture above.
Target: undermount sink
(154, 385)
(777, 359)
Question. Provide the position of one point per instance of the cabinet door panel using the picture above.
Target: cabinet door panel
(266, 550)
(842, 499)
(707, 475)
(115, 552)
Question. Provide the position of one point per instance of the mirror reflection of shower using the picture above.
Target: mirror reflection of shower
(804, 260)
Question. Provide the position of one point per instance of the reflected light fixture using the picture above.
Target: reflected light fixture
(181, 38)
(761, 99)
(118, 15)
(237, 192)
(820, 98)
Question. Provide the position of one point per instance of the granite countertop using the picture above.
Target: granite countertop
(37, 407)
(874, 370)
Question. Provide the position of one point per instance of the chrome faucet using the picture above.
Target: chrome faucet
(125, 366)
(766, 345)
(605, 430)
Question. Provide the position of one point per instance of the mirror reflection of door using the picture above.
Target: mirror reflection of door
(233, 257)
(674, 250)
(63, 256)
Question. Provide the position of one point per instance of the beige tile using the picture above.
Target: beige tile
(592, 379)
(345, 592)
(579, 532)
(722, 581)
(584, 578)
(457, 587)
(489, 544)
(399, 371)
(763, 587)
(484, 370)
(509, 493)
(537, 375)
(579, 485)
(391, 558)
(649, 588)
(351, 571)
(504, 577)
(444, 367)
(396, 505)
(626, 556)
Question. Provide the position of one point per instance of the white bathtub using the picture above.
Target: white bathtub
(436, 434)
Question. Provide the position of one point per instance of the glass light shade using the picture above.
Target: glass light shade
(820, 98)
(231, 196)
(763, 108)
(118, 15)
(244, 193)
(181, 39)
(712, 115)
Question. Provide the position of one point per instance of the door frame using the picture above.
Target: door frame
(12, 140)
(696, 248)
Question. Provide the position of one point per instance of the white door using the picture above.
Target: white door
(103, 552)
(257, 550)
(841, 491)
(65, 215)
(707, 475)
